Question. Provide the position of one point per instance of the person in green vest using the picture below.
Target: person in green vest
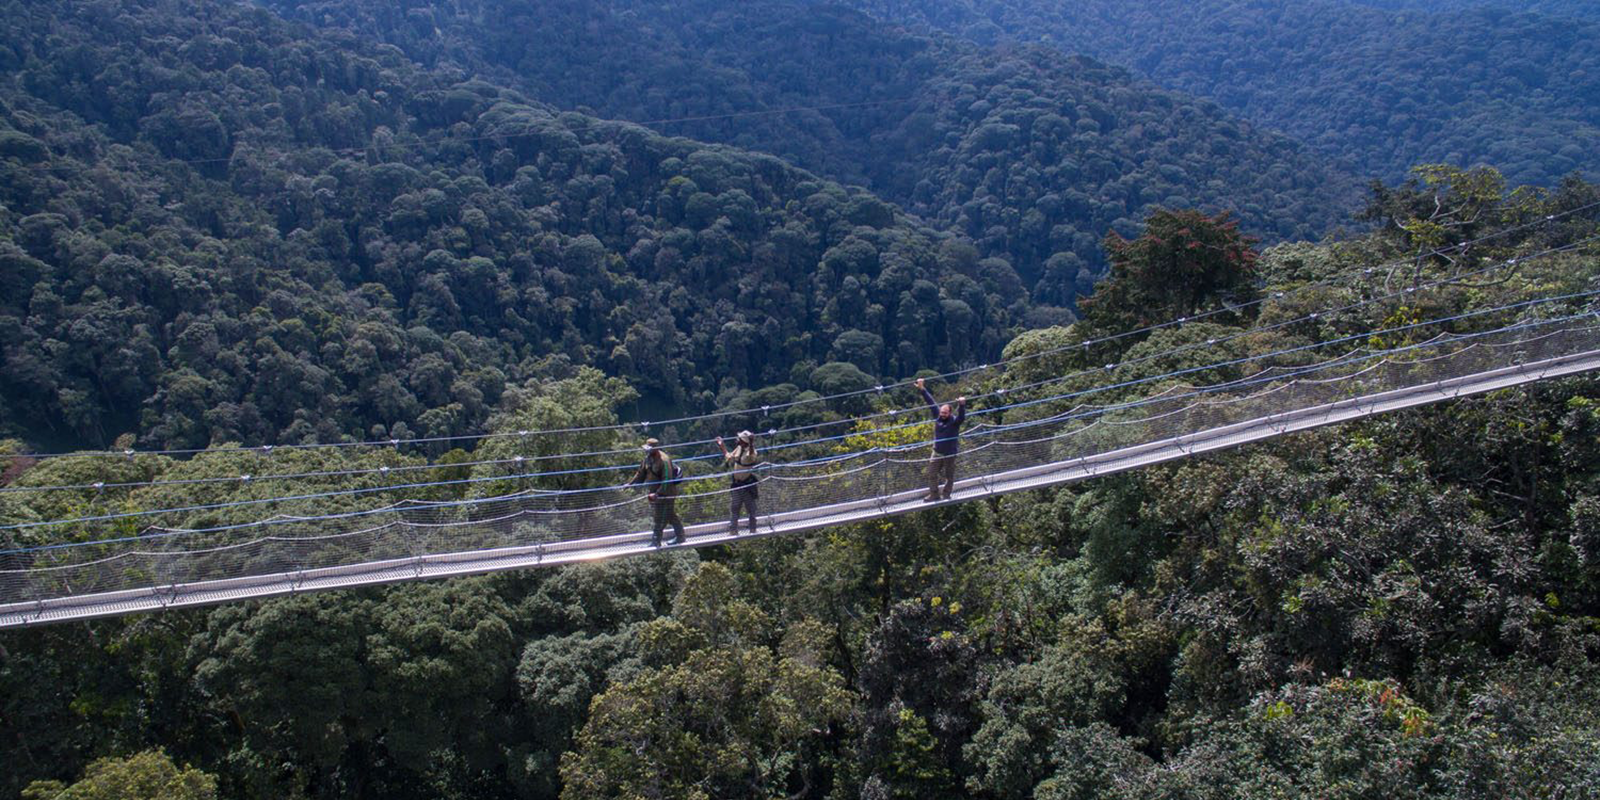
(660, 476)
(742, 480)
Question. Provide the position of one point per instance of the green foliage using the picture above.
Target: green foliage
(202, 258)
(1549, 8)
(730, 714)
(1184, 262)
(1403, 607)
(1381, 89)
(919, 683)
(1029, 152)
(150, 775)
(333, 687)
(1030, 706)
(558, 677)
(588, 399)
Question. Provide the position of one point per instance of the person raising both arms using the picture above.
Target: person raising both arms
(742, 480)
(661, 476)
(946, 443)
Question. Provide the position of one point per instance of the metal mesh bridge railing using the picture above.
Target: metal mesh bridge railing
(1036, 444)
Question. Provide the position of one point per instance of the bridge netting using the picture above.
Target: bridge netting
(1034, 439)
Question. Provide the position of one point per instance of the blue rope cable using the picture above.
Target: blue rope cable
(1069, 395)
(100, 486)
(1290, 372)
(1097, 411)
(842, 395)
(1124, 384)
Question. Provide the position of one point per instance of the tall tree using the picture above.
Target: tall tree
(1184, 262)
(150, 775)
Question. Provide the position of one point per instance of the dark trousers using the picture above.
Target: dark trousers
(941, 468)
(742, 497)
(666, 513)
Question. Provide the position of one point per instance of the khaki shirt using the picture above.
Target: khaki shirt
(743, 461)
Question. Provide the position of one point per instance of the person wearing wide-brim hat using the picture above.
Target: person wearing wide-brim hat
(742, 479)
(660, 476)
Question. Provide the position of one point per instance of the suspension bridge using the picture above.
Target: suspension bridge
(1031, 436)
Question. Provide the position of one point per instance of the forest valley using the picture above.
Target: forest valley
(222, 228)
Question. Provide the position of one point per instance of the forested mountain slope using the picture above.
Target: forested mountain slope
(1031, 152)
(1408, 606)
(216, 225)
(1550, 8)
(1383, 89)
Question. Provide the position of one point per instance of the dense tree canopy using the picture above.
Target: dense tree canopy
(1029, 152)
(1548, 8)
(220, 228)
(1465, 81)
(258, 273)
(1183, 263)
(145, 776)
(1406, 605)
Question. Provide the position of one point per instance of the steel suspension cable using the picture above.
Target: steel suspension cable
(523, 460)
(766, 409)
(1349, 358)
(998, 409)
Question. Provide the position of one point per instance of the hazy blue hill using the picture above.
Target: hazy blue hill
(1580, 9)
(1381, 88)
(1030, 151)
